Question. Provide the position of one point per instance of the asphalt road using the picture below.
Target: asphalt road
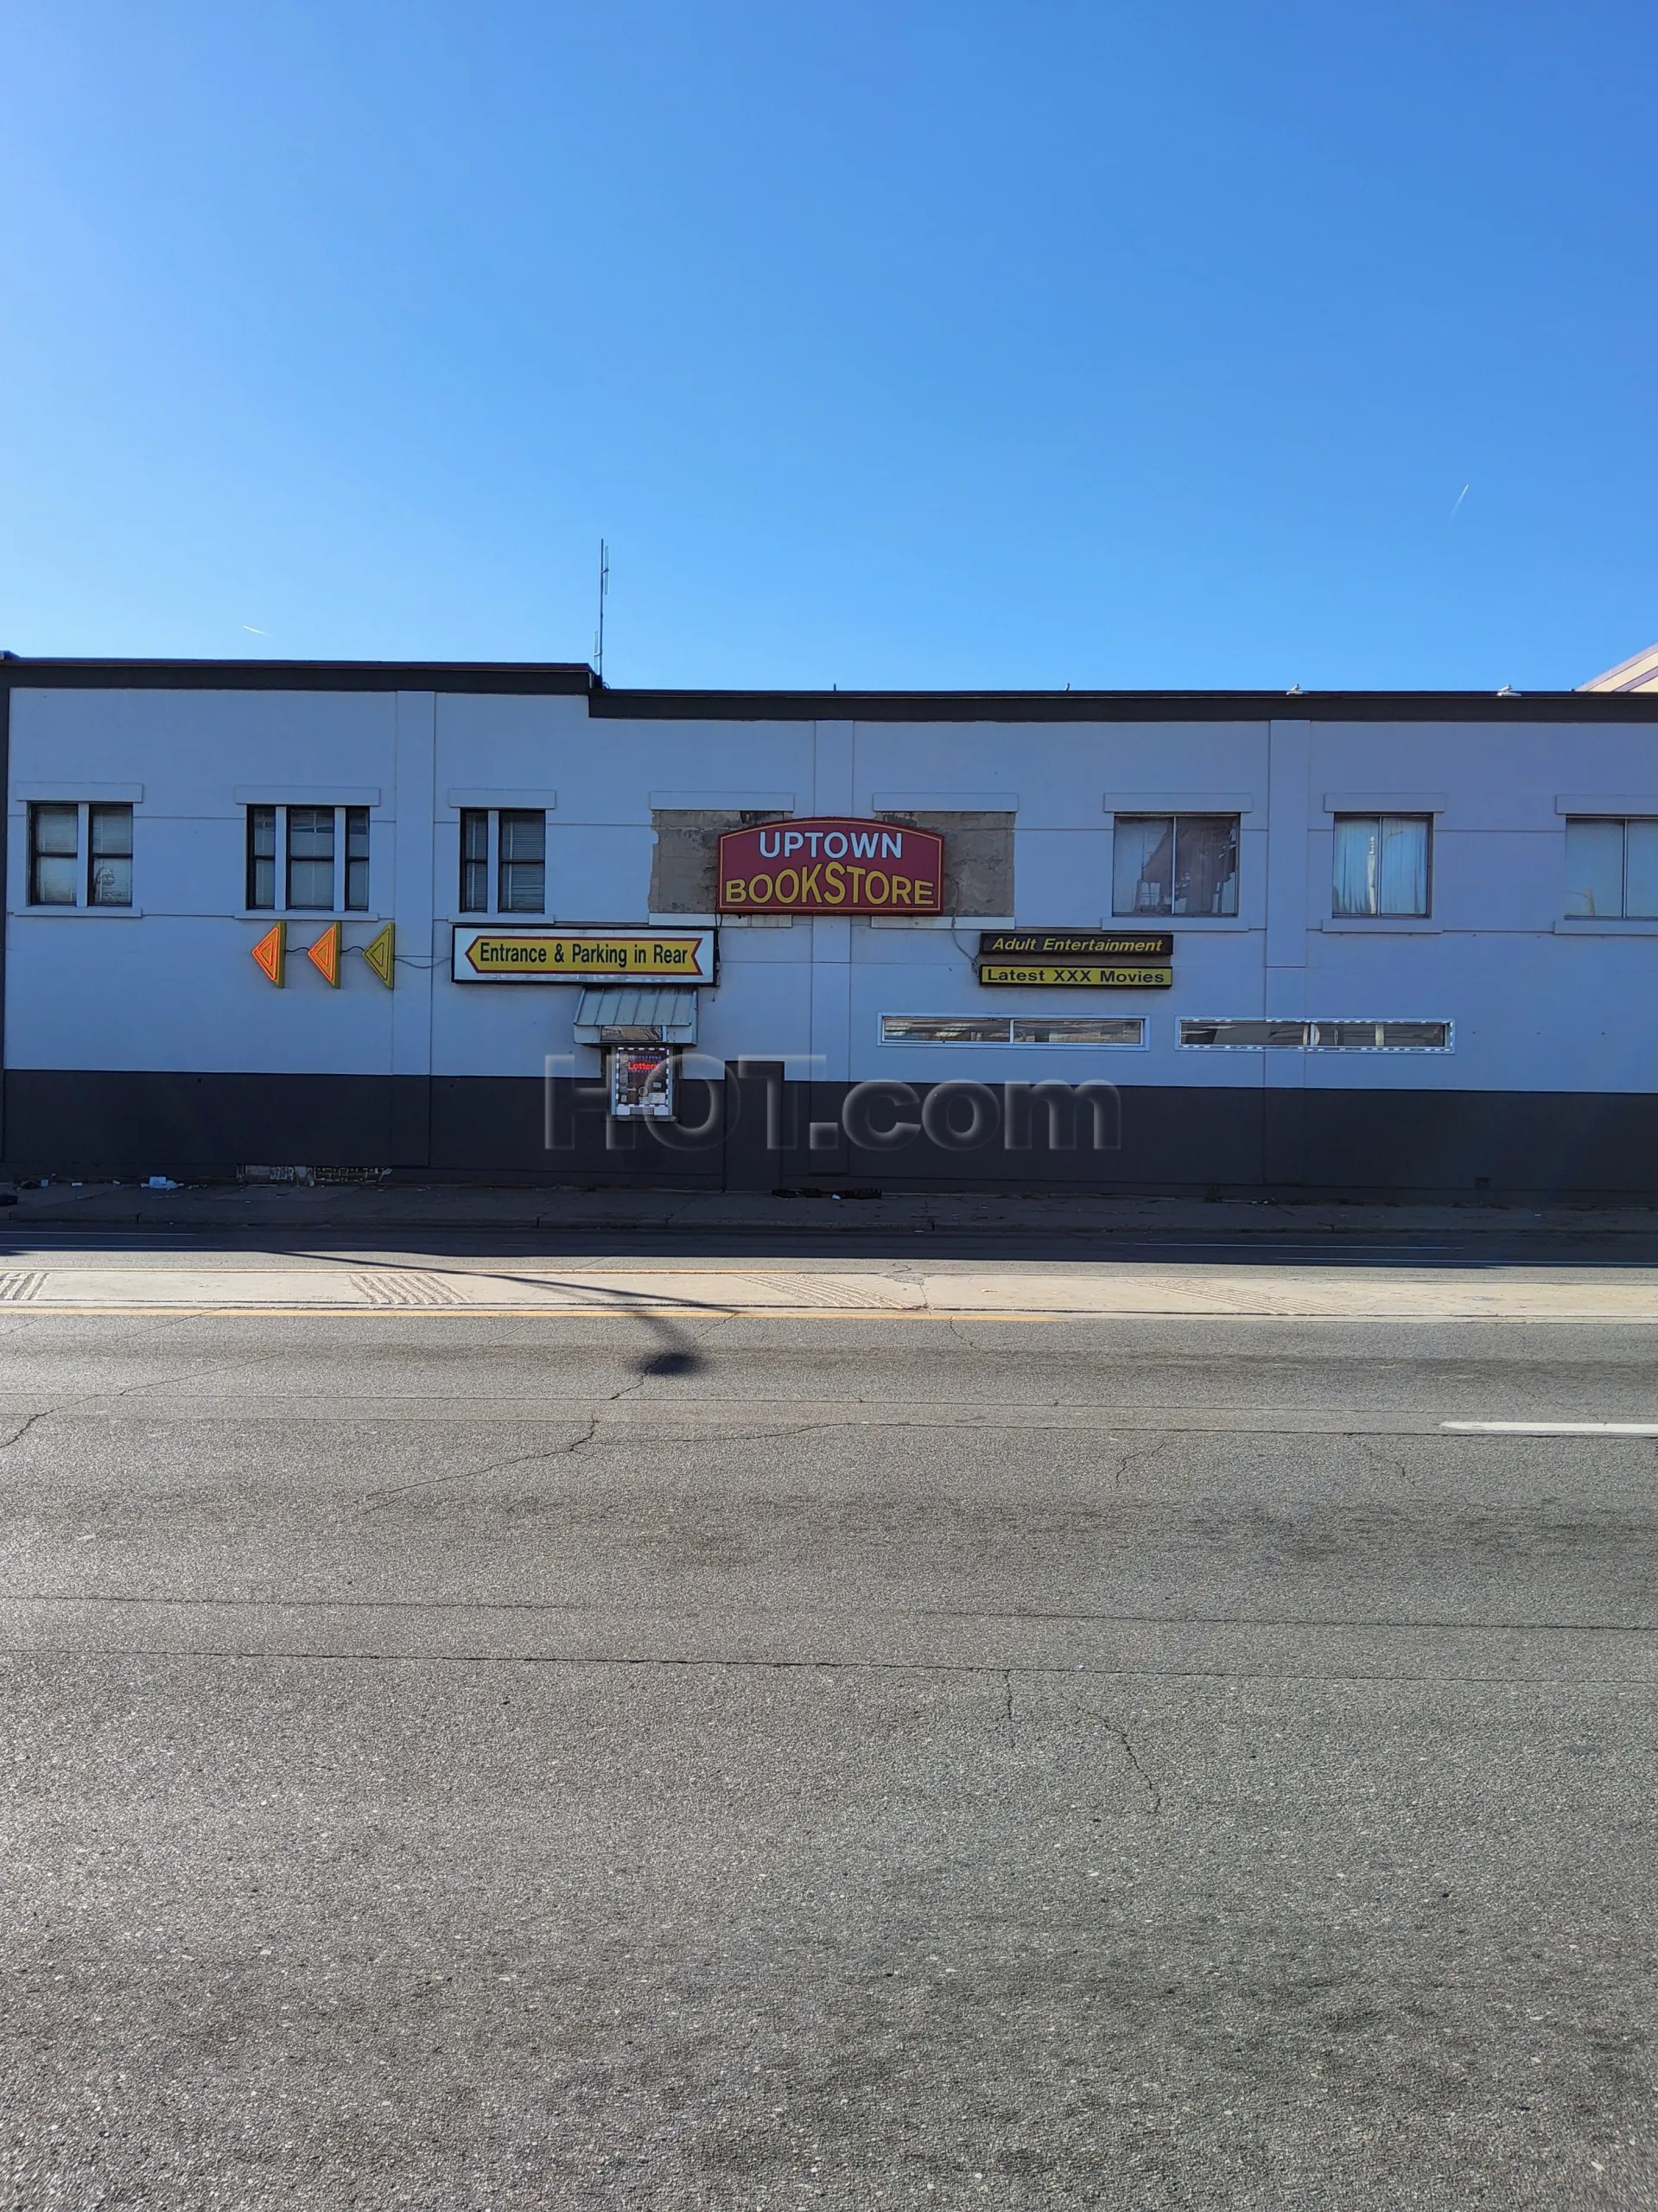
(481, 1762)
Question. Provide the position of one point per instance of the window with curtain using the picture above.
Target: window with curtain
(506, 847)
(474, 860)
(54, 855)
(523, 862)
(357, 860)
(1381, 864)
(109, 876)
(1174, 864)
(81, 853)
(1611, 869)
(310, 859)
(503, 848)
(262, 858)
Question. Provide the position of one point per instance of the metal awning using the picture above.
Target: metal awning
(621, 1014)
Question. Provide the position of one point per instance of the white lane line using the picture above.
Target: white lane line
(1551, 1427)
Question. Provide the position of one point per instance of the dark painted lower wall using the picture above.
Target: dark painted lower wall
(755, 1132)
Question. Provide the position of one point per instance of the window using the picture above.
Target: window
(1252, 1035)
(324, 856)
(1380, 1037)
(108, 880)
(507, 845)
(524, 862)
(1005, 1029)
(1244, 1036)
(54, 855)
(1381, 864)
(475, 860)
(262, 856)
(1611, 869)
(60, 832)
(310, 858)
(1175, 864)
(357, 860)
(1079, 1029)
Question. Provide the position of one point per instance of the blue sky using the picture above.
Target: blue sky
(911, 344)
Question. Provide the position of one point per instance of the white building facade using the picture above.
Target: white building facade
(1347, 943)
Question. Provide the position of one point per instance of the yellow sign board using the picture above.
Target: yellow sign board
(1089, 975)
(381, 952)
(496, 952)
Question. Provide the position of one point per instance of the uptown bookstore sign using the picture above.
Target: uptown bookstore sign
(830, 866)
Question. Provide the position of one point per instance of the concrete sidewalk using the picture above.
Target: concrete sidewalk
(1079, 1286)
(1065, 1217)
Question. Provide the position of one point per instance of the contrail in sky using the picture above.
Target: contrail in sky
(1461, 496)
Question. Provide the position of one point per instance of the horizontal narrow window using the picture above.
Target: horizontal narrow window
(1381, 1036)
(1347, 1036)
(1079, 1029)
(1245, 1035)
(943, 1029)
(1001, 1029)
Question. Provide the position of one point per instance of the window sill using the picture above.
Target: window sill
(516, 922)
(303, 915)
(1206, 924)
(1381, 925)
(929, 921)
(82, 913)
(1588, 926)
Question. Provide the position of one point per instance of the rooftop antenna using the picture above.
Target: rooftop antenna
(604, 590)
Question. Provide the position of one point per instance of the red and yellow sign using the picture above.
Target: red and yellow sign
(831, 866)
(270, 953)
(324, 955)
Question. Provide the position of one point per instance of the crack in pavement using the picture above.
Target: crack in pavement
(723, 1662)
(18, 1435)
(376, 1499)
(1152, 1790)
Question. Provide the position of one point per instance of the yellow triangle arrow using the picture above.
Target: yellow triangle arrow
(382, 953)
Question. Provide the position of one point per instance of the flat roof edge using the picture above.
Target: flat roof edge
(525, 677)
(541, 678)
(1120, 706)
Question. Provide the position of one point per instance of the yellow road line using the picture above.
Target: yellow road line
(543, 1312)
(804, 1313)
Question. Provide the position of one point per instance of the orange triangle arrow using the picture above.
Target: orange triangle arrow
(380, 954)
(324, 955)
(271, 952)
